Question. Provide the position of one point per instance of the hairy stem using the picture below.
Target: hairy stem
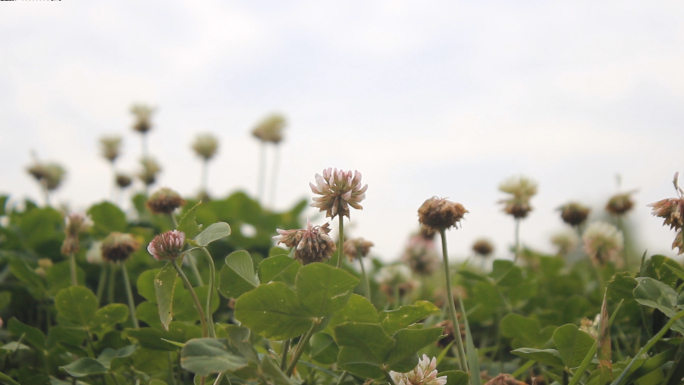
(450, 300)
(129, 294)
(198, 306)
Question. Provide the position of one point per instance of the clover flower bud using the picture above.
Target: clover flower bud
(110, 147)
(150, 169)
(620, 204)
(574, 213)
(521, 190)
(205, 146)
(356, 248)
(270, 129)
(483, 247)
(421, 254)
(425, 373)
(50, 174)
(117, 247)
(338, 190)
(312, 244)
(143, 117)
(164, 201)
(439, 213)
(123, 180)
(602, 242)
(167, 246)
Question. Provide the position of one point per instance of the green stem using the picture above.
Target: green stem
(113, 377)
(283, 358)
(274, 176)
(210, 296)
(262, 173)
(366, 284)
(129, 294)
(72, 269)
(195, 271)
(171, 372)
(342, 377)
(339, 249)
(175, 221)
(517, 240)
(198, 306)
(205, 172)
(219, 378)
(452, 308)
(112, 282)
(389, 378)
(101, 283)
(300, 348)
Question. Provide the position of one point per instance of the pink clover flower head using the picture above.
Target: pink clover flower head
(671, 210)
(425, 373)
(338, 189)
(167, 245)
(312, 244)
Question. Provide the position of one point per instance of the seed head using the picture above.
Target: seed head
(143, 117)
(205, 146)
(167, 246)
(439, 213)
(423, 374)
(117, 247)
(620, 204)
(51, 174)
(150, 169)
(270, 129)
(111, 147)
(312, 244)
(356, 248)
(123, 180)
(338, 190)
(483, 247)
(420, 254)
(602, 242)
(164, 201)
(521, 190)
(574, 213)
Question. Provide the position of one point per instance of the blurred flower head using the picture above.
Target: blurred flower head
(117, 247)
(574, 213)
(312, 244)
(421, 254)
(94, 254)
(565, 242)
(504, 379)
(591, 327)
(49, 174)
(620, 204)
(440, 213)
(123, 180)
(164, 201)
(521, 190)
(338, 190)
(205, 146)
(423, 374)
(167, 246)
(602, 242)
(150, 169)
(270, 129)
(356, 248)
(110, 147)
(671, 210)
(143, 117)
(483, 247)
(74, 225)
(395, 274)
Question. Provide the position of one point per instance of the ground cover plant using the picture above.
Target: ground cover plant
(210, 290)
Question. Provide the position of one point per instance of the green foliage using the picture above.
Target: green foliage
(210, 355)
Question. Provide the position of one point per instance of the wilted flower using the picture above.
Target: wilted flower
(421, 254)
(423, 374)
(143, 117)
(356, 248)
(440, 213)
(521, 190)
(111, 147)
(504, 379)
(312, 244)
(118, 247)
(602, 242)
(574, 213)
(620, 204)
(671, 210)
(167, 245)
(123, 180)
(483, 247)
(591, 327)
(50, 174)
(75, 224)
(565, 242)
(338, 189)
(205, 146)
(164, 201)
(270, 129)
(150, 169)
(679, 242)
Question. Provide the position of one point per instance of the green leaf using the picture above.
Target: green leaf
(359, 362)
(5, 299)
(58, 276)
(456, 377)
(656, 294)
(471, 351)
(323, 348)
(84, 367)
(239, 338)
(505, 273)
(549, 357)
(363, 348)
(403, 357)
(273, 311)
(145, 284)
(526, 330)
(5, 379)
(77, 304)
(486, 294)
(188, 225)
(108, 316)
(276, 251)
(59, 334)
(357, 309)
(27, 275)
(572, 344)
(393, 320)
(32, 335)
(621, 286)
(210, 355)
(213, 233)
(237, 275)
(108, 354)
(271, 369)
(107, 218)
(279, 268)
(323, 289)
(164, 287)
(150, 338)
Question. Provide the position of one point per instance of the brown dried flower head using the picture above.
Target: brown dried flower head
(521, 190)
(205, 146)
(679, 242)
(143, 117)
(338, 190)
(110, 147)
(671, 210)
(117, 247)
(164, 201)
(312, 244)
(620, 204)
(440, 213)
(49, 174)
(270, 129)
(574, 213)
(356, 248)
(504, 379)
(123, 180)
(150, 169)
(483, 247)
(421, 254)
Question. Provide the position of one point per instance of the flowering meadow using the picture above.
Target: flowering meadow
(223, 290)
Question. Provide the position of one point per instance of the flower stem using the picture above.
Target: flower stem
(274, 176)
(452, 307)
(101, 283)
(339, 249)
(262, 172)
(365, 278)
(198, 306)
(219, 378)
(129, 294)
(210, 296)
(342, 377)
(300, 348)
(283, 359)
(112, 282)
(72, 269)
(517, 240)
(205, 173)
(389, 378)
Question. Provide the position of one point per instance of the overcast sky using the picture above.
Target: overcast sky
(444, 98)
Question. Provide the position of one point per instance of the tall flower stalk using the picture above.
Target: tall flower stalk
(520, 190)
(111, 149)
(205, 146)
(359, 248)
(117, 248)
(268, 130)
(75, 224)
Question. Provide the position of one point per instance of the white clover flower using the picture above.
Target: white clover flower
(423, 374)
(312, 244)
(521, 190)
(338, 189)
(602, 242)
